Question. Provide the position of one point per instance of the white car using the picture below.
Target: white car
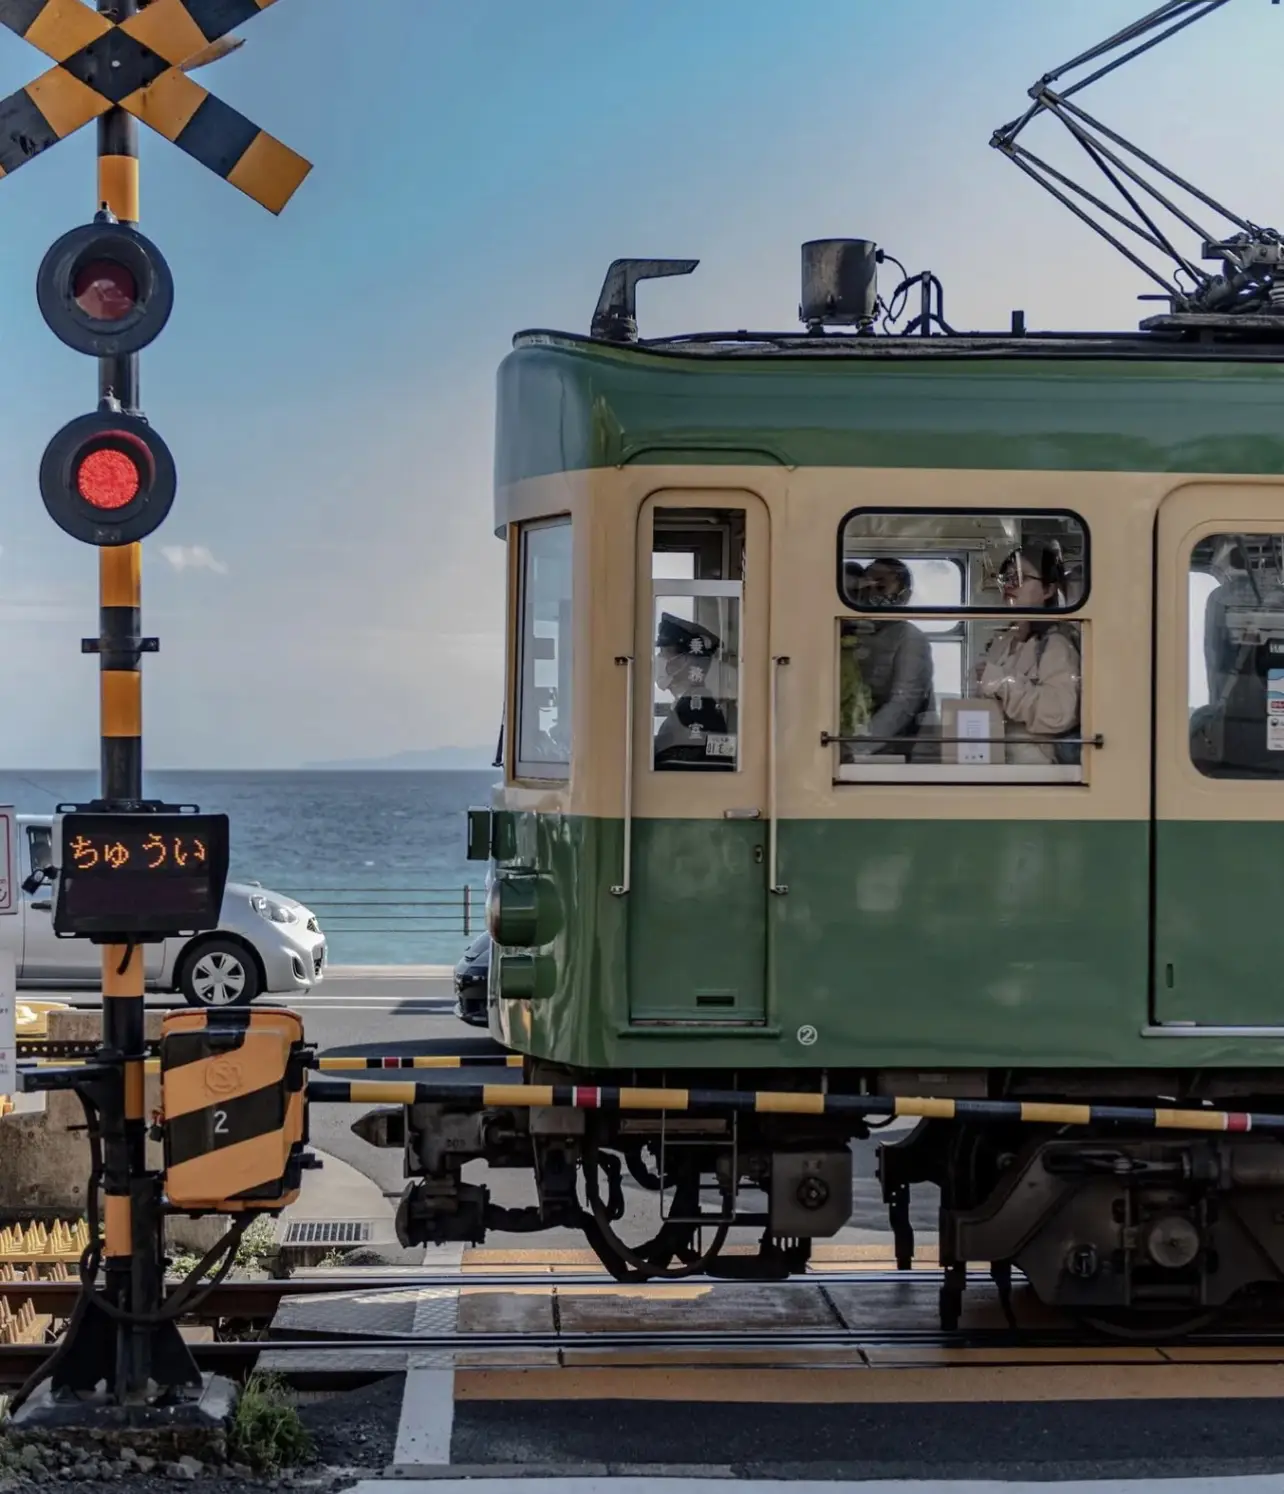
(265, 943)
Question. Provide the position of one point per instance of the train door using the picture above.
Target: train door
(700, 821)
(1219, 756)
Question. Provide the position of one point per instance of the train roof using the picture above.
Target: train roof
(1191, 338)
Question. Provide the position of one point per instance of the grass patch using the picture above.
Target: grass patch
(267, 1432)
(258, 1242)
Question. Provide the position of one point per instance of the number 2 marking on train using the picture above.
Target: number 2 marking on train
(220, 1123)
(807, 1035)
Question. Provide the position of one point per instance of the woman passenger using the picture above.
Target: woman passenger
(1032, 668)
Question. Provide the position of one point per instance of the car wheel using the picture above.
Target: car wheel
(219, 972)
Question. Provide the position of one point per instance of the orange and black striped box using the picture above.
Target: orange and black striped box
(234, 1103)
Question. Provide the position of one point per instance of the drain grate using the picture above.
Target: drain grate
(328, 1232)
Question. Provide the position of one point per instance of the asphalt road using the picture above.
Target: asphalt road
(350, 1012)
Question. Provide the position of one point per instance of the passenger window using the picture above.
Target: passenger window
(1237, 656)
(544, 652)
(697, 563)
(936, 691)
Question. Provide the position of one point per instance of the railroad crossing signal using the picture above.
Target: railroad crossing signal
(137, 65)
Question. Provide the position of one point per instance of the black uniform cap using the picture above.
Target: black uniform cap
(686, 637)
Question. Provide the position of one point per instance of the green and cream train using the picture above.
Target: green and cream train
(894, 725)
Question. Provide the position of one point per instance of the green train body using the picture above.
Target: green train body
(981, 941)
(893, 726)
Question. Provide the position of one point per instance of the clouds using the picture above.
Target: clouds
(193, 558)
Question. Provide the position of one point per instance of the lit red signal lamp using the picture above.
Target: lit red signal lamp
(104, 289)
(108, 478)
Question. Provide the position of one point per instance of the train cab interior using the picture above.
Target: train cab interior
(1236, 688)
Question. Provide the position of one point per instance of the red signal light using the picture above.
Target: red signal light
(108, 479)
(105, 290)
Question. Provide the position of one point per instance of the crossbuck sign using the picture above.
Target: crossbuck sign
(137, 65)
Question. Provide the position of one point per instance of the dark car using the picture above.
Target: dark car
(471, 976)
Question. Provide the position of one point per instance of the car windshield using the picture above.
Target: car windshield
(477, 948)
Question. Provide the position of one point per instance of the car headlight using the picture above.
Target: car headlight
(274, 912)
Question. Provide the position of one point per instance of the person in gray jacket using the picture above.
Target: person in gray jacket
(886, 666)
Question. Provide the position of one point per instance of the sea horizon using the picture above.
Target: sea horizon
(378, 854)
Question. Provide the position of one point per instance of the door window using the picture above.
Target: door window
(1236, 680)
(696, 565)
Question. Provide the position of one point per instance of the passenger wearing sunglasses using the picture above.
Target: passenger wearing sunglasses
(1032, 668)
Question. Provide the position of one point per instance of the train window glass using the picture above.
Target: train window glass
(895, 557)
(696, 570)
(937, 693)
(1236, 641)
(1004, 708)
(544, 652)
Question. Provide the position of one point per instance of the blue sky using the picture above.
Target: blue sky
(332, 588)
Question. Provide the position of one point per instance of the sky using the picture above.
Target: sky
(328, 584)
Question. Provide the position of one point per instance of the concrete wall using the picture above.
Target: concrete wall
(44, 1158)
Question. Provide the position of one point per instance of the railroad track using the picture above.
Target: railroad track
(775, 1348)
(252, 1305)
(259, 1300)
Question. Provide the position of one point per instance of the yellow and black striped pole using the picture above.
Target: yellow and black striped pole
(132, 1246)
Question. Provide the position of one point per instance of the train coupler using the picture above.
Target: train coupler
(439, 1211)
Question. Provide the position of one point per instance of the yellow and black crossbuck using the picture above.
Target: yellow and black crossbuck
(138, 65)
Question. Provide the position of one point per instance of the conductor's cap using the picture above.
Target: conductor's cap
(681, 636)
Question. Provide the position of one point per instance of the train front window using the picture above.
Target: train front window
(1236, 642)
(696, 570)
(936, 677)
(544, 652)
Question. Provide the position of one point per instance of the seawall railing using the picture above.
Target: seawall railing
(401, 911)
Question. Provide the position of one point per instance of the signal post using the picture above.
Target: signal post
(134, 1234)
(129, 870)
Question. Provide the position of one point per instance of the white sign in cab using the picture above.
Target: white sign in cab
(8, 861)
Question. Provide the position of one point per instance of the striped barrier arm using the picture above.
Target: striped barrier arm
(775, 1102)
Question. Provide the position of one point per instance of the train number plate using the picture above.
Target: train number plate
(719, 744)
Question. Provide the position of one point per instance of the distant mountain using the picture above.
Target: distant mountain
(443, 759)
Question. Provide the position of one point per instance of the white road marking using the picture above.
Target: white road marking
(428, 1401)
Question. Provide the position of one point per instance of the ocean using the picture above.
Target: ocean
(378, 856)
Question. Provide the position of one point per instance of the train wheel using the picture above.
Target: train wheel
(651, 1261)
(1147, 1327)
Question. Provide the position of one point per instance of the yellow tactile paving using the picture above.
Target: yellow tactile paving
(888, 1358)
(1233, 1354)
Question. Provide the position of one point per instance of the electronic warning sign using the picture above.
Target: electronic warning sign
(140, 877)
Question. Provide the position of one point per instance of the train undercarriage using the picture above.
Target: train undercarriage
(1141, 1233)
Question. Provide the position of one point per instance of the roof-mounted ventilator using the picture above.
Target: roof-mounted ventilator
(1249, 293)
(840, 289)
(616, 317)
